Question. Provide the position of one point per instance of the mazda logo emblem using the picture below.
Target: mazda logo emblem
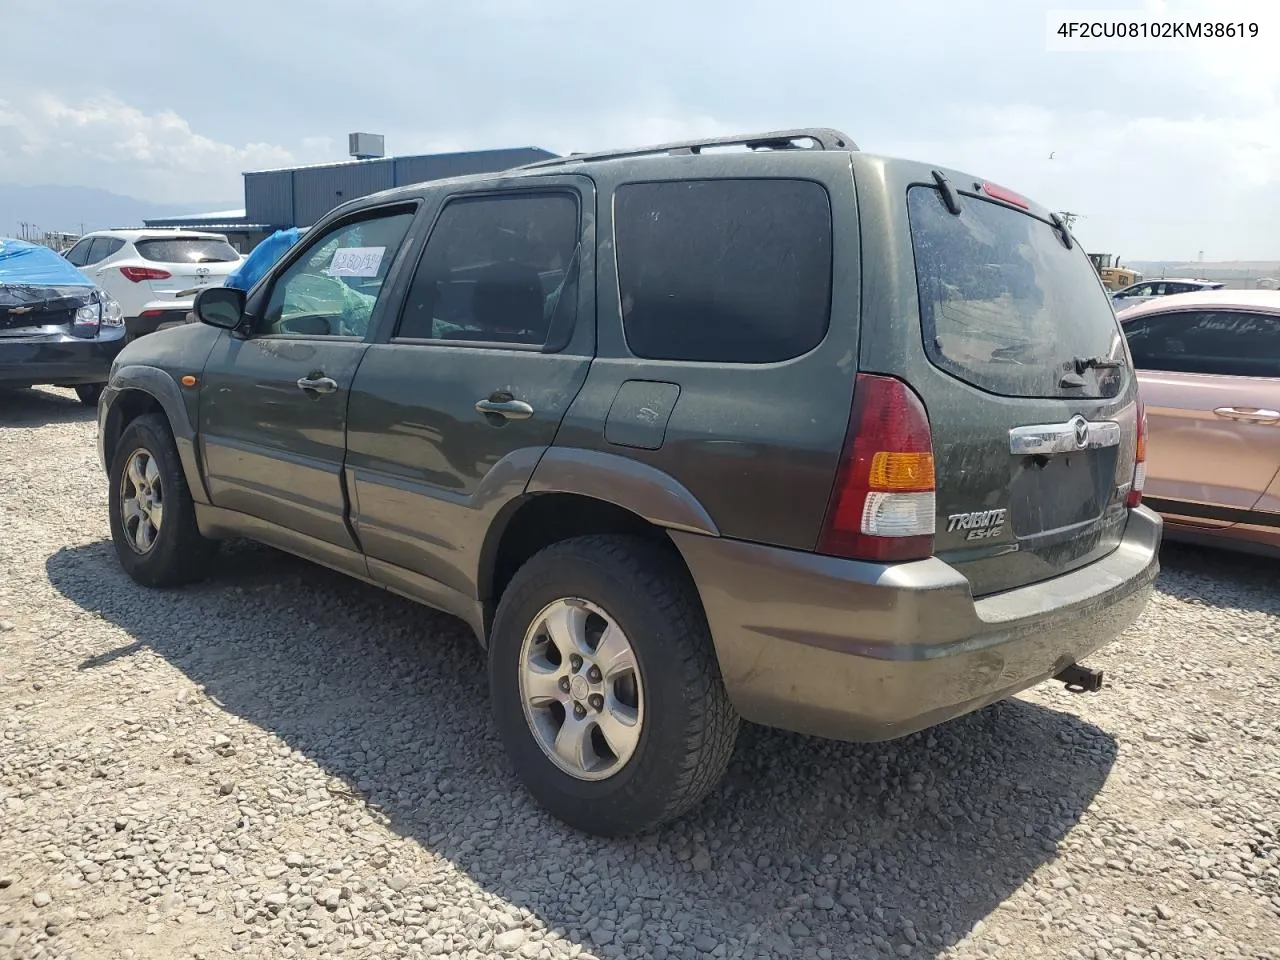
(1082, 431)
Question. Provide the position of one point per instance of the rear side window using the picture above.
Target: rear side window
(1227, 342)
(724, 271)
(186, 250)
(498, 269)
(103, 247)
(1004, 305)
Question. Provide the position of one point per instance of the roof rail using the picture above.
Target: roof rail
(818, 138)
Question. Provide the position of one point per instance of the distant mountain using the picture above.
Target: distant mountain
(68, 208)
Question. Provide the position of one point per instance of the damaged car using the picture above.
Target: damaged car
(57, 327)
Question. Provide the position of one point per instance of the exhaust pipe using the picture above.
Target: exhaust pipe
(1080, 679)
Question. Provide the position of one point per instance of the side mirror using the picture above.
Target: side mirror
(221, 307)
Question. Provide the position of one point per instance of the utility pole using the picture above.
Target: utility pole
(1069, 218)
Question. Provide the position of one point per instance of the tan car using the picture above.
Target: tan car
(1209, 373)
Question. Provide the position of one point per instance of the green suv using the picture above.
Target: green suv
(760, 428)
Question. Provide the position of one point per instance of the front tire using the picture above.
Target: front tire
(153, 519)
(605, 686)
(89, 393)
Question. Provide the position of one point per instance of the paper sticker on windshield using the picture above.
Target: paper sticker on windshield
(356, 262)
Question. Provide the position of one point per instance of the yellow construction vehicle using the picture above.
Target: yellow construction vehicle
(1113, 275)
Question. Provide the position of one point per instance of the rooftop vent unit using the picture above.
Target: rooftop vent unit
(366, 146)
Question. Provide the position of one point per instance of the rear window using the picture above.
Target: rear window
(1004, 305)
(186, 250)
(724, 271)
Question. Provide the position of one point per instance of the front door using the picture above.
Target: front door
(450, 414)
(273, 405)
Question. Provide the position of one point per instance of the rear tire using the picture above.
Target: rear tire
(153, 519)
(89, 393)
(685, 728)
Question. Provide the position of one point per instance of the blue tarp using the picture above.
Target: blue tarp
(34, 265)
(262, 258)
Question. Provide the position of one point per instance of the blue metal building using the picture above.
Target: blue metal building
(299, 196)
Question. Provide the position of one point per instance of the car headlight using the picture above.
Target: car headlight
(112, 312)
(90, 315)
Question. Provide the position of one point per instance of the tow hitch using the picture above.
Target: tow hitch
(1080, 679)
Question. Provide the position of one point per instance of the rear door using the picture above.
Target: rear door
(1008, 337)
(451, 412)
(273, 405)
(1211, 384)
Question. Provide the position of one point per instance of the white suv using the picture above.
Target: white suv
(148, 271)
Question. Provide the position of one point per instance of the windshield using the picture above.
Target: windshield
(187, 250)
(1005, 306)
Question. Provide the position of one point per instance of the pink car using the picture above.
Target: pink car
(1209, 374)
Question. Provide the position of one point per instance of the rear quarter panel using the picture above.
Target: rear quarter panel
(756, 444)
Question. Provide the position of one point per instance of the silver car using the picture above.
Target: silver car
(1146, 290)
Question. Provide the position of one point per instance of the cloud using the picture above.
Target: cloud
(105, 142)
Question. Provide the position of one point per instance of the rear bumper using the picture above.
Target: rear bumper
(155, 318)
(865, 652)
(62, 361)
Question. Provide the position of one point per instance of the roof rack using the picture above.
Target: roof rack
(804, 138)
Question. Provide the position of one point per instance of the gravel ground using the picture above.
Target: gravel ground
(283, 762)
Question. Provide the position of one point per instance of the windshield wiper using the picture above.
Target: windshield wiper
(1095, 363)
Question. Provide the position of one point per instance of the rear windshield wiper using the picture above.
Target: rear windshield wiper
(1082, 364)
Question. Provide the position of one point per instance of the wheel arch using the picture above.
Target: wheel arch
(576, 493)
(136, 390)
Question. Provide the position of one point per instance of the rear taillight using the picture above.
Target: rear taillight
(138, 274)
(882, 506)
(1139, 460)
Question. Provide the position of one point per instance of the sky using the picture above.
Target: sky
(1164, 154)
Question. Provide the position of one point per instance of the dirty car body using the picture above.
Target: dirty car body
(876, 467)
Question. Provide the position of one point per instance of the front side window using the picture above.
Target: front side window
(1004, 305)
(1225, 342)
(498, 269)
(724, 271)
(332, 289)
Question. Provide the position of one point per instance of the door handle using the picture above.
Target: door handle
(1252, 414)
(507, 409)
(318, 384)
